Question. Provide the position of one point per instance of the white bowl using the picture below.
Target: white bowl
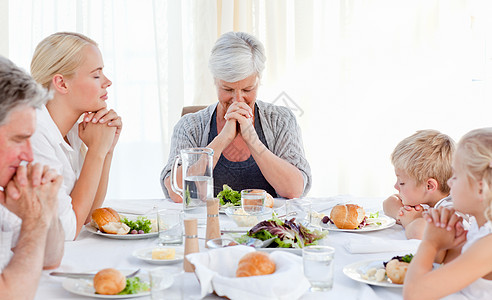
(248, 219)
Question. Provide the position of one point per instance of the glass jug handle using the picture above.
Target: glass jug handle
(174, 185)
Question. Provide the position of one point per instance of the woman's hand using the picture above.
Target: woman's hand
(110, 118)
(98, 137)
(243, 115)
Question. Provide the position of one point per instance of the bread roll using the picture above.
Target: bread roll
(107, 220)
(255, 264)
(269, 200)
(348, 216)
(396, 270)
(109, 282)
(115, 228)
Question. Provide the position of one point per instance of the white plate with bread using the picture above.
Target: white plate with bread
(107, 222)
(358, 270)
(160, 255)
(128, 236)
(348, 217)
(85, 287)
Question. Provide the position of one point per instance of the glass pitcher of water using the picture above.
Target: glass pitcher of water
(197, 174)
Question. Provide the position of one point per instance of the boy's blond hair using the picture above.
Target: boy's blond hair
(426, 154)
(475, 153)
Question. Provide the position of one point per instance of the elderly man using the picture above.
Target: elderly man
(31, 237)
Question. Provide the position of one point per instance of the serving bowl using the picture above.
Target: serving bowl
(248, 216)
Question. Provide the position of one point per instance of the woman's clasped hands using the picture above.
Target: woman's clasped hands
(444, 228)
(239, 120)
(101, 130)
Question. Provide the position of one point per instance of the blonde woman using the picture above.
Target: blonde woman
(71, 66)
(469, 274)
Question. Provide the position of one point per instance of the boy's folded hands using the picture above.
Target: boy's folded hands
(408, 214)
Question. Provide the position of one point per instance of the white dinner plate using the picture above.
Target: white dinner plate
(146, 255)
(386, 222)
(356, 270)
(84, 287)
(129, 236)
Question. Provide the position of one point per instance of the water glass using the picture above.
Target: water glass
(170, 226)
(252, 200)
(318, 266)
(300, 209)
(163, 283)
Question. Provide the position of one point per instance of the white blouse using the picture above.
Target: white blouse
(49, 148)
(480, 289)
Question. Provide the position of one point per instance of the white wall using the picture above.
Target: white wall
(4, 27)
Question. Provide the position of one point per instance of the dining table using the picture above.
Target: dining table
(92, 252)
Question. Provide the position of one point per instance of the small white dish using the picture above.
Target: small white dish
(146, 255)
(386, 222)
(85, 287)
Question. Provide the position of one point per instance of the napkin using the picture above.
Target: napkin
(362, 244)
(216, 271)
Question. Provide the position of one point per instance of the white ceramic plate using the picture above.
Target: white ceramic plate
(356, 270)
(386, 222)
(146, 255)
(129, 236)
(84, 287)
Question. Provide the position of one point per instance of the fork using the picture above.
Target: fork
(85, 275)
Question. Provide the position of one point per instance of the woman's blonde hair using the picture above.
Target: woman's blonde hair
(475, 152)
(426, 154)
(59, 53)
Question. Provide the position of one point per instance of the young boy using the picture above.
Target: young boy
(422, 164)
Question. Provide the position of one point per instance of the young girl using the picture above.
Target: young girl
(469, 275)
(71, 66)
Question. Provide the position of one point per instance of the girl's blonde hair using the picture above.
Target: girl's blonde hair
(475, 152)
(59, 53)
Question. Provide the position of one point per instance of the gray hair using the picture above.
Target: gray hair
(17, 88)
(237, 55)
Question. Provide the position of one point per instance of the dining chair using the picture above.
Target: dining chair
(191, 109)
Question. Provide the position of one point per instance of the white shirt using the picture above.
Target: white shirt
(480, 289)
(49, 148)
(10, 226)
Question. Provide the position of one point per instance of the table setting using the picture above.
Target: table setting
(353, 254)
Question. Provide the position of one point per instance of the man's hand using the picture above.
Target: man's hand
(32, 193)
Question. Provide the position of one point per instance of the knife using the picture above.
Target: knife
(73, 275)
(85, 275)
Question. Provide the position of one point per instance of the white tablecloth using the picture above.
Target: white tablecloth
(93, 252)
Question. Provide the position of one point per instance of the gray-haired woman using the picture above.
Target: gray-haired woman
(256, 144)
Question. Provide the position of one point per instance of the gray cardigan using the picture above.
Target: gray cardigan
(279, 124)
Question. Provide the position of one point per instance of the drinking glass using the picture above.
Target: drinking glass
(300, 209)
(318, 266)
(252, 200)
(170, 226)
(162, 283)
